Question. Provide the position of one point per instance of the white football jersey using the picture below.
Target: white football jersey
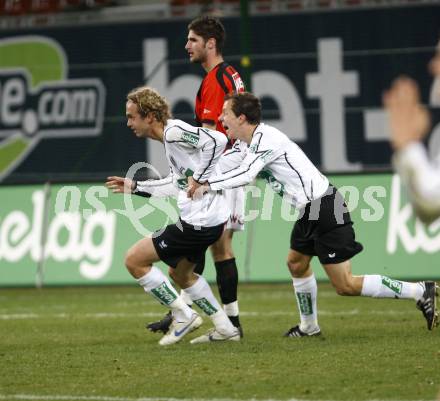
(191, 151)
(279, 160)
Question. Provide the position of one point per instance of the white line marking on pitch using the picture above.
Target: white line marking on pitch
(104, 315)
(31, 397)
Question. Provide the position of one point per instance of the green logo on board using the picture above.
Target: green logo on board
(39, 101)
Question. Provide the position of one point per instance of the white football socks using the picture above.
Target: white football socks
(306, 291)
(378, 286)
(202, 296)
(186, 298)
(231, 309)
(157, 284)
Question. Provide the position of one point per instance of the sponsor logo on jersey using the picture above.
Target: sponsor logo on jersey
(276, 186)
(190, 137)
(238, 82)
(266, 155)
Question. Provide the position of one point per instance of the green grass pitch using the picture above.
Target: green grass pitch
(90, 344)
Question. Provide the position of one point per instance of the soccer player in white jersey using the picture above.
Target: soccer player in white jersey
(324, 229)
(205, 42)
(409, 122)
(192, 154)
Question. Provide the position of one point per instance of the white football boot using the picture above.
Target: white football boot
(180, 329)
(214, 335)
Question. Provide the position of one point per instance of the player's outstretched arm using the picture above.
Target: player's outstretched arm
(120, 184)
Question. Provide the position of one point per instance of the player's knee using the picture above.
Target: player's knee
(132, 264)
(221, 256)
(174, 275)
(221, 251)
(181, 278)
(296, 267)
(345, 289)
(130, 260)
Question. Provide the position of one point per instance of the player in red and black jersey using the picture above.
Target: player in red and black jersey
(219, 81)
(206, 37)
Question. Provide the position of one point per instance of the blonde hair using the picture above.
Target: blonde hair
(149, 100)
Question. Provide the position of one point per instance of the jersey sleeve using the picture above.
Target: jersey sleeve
(211, 144)
(422, 179)
(258, 156)
(157, 188)
(231, 159)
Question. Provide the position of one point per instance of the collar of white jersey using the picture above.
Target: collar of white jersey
(253, 133)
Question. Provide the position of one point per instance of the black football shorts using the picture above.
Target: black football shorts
(325, 230)
(183, 240)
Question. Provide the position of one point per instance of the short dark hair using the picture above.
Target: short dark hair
(247, 104)
(209, 27)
